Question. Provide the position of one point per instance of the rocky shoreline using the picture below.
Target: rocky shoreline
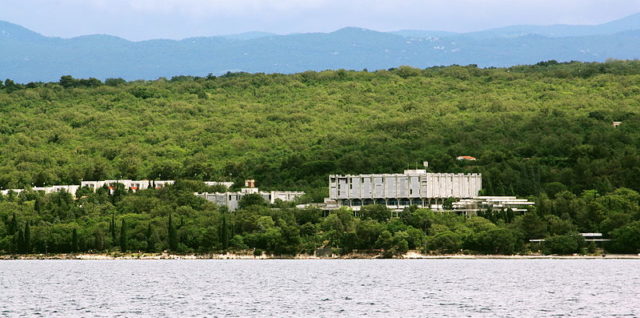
(411, 255)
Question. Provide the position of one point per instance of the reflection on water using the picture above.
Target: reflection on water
(294, 288)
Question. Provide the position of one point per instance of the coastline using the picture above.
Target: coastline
(411, 255)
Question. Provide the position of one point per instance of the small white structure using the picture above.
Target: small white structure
(14, 191)
(495, 203)
(47, 190)
(57, 188)
(232, 199)
(588, 237)
(594, 237)
(219, 183)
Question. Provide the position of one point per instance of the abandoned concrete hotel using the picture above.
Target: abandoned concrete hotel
(413, 187)
(417, 188)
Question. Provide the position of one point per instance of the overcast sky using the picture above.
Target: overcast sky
(175, 19)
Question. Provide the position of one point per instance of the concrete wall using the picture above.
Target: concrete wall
(231, 199)
(128, 184)
(411, 184)
(222, 183)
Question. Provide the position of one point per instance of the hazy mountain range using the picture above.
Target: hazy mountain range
(28, 56)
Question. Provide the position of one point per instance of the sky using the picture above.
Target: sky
(177, 19)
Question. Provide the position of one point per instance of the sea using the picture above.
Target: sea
(320, 288)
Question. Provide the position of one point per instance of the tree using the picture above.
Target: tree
(118, 192)
(10, 85)
(493, 241)
(445, 242)
(532, 226)
(173, 235)
(291, 240)
(386, 242)
(448, 204)
(558, 226)
(554, 188)
(376, 212)
(367, 233)
(209, 239)
(224, 232)
(112, 229)
(626, 239)
(237, 243)
(114, 82)
(416, 238)
(27, 238)
(400, 243)
(251, 199)
(19, 245)
(419, 218)
(74, 240)
(98, 239)
(123, 236)
(563, 244)
(149, 238)
(310, 215)
(13, 225)
(67, 81)
(39, 204)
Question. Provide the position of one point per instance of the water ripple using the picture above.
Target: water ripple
(325, 288)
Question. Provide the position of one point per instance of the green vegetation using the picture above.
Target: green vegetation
(174, 219)
(542, 131)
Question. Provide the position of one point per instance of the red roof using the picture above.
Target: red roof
(466, 158)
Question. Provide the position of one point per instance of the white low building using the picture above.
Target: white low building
(232, 199)
(57, 188)
(219, 183)
(133, 185)
(8, 191)
(47, 190)
(494, 203)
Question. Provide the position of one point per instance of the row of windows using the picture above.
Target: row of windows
(351, 188)
(238, 197)
(357, 202)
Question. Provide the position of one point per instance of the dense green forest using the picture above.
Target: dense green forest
(542, 131)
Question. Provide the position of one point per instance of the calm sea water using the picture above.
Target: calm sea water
(327, 288)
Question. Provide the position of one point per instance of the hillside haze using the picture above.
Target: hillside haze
(28, 56)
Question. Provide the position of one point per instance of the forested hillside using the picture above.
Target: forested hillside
(543, 131)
